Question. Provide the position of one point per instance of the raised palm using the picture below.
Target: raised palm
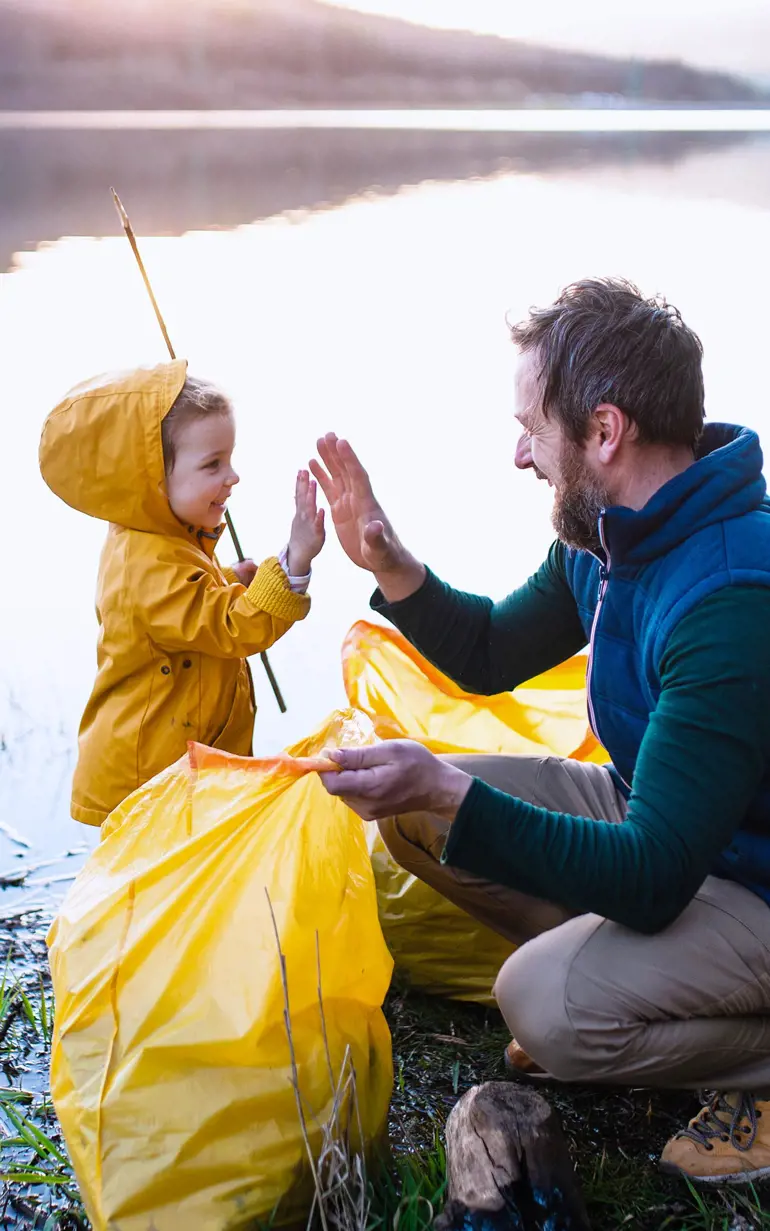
(364, 532)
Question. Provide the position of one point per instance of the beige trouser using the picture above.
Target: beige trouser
(591, 1000)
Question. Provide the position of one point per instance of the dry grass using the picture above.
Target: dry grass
(341, 1200)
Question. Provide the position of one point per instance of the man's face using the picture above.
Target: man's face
(543, 447)
(540, 444)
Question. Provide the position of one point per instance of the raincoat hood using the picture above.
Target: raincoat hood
(101, 449)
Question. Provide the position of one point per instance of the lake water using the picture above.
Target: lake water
(349, 280)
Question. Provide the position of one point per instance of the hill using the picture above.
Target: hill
(282, 53)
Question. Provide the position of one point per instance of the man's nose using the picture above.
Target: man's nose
(523, 457)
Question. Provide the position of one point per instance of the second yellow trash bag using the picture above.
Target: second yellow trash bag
(171, 1071)
(408, 698)
(441, 948)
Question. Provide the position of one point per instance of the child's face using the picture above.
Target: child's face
(203, 475)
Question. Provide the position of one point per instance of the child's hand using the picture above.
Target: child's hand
(245, 571)
(307, 529)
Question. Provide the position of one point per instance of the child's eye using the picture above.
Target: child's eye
(212, 465)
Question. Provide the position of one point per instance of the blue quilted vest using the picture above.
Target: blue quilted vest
(705, 529)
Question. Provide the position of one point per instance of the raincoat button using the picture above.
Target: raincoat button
(187, 663)
(165, 671)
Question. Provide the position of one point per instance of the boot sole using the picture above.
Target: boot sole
(714, 1181)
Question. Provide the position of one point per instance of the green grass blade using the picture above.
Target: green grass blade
(29, 1012)
(34, 1137)
(46, 1022)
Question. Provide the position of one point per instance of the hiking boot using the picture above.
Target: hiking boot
(518, 1063)
(727, 1142)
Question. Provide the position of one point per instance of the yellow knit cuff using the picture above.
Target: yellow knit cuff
(270, 591)
(230, 575)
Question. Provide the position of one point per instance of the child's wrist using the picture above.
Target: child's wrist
(298, 563)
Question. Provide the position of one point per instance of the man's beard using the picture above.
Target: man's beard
(580, 499)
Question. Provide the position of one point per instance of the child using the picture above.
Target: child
(149, 452)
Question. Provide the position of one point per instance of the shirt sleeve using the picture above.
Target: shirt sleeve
(701, 761)
(298, 584)
(488, 647)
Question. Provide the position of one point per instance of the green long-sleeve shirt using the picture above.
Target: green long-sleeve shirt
(700, 763)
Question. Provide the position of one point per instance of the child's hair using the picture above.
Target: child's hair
(197, 400)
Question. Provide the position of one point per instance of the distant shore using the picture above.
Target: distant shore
(304, 54)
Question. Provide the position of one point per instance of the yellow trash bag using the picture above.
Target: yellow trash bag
(440, 947)
(171, 1071)
(408, 698)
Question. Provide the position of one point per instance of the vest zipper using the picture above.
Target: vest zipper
(604, 578)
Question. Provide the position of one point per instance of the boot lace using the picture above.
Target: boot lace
(723, 1120)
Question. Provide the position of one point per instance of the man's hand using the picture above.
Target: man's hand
(245, 571)
(396, 776)
(365, 533)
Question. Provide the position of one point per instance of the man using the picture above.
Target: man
(640, 892)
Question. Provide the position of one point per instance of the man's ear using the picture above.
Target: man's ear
(611, 427)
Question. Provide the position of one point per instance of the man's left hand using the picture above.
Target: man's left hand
(396, 776)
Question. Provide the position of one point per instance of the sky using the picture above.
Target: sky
(727, 34)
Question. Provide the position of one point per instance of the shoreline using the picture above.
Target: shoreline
(616, 120)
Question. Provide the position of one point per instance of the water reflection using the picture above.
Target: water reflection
(382, 319)
(56, 184)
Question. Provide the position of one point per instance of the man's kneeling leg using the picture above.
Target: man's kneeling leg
(592, 1001)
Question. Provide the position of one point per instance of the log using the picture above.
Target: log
(508, 1165)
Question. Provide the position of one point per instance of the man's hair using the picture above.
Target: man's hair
(197, 400)
(602, 341)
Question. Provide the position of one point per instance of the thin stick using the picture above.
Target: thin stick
(129, 230)
(134, 248)
(269, 672)
(323, 1014)
(294, 1070)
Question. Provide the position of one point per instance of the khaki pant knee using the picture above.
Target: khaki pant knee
(531, 991)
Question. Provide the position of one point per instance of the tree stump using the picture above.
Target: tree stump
(508, 1166)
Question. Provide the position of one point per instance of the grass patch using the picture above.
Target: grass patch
(409, 1193)
(440, 1049)
(37, 1187)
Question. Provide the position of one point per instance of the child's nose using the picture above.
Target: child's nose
(234, 478)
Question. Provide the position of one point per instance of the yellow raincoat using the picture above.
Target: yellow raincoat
(175, 630)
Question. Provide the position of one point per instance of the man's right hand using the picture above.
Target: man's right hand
(365, 533)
